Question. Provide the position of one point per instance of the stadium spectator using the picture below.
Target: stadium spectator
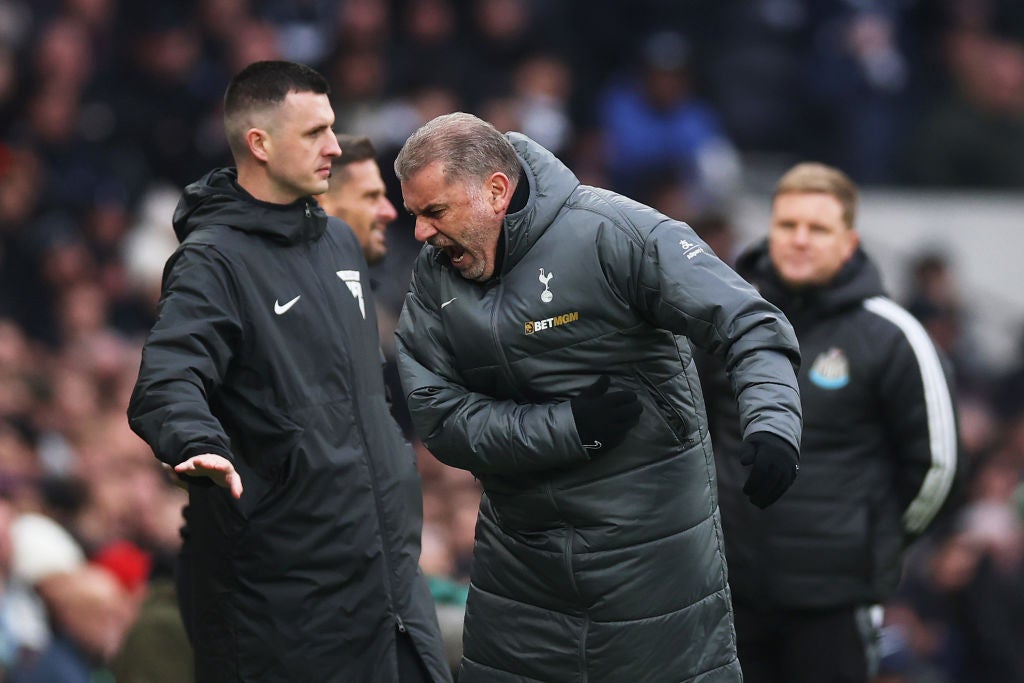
(655, 122)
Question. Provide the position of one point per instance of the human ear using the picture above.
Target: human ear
(258, 142)
(853, 239)
(499, 191)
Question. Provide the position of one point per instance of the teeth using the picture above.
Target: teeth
(459, 259)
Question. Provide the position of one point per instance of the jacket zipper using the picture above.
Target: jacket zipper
(374, 484)
(506, 370)
(385, 551)
(569, 554)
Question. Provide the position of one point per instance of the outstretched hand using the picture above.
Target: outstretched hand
(215, 467)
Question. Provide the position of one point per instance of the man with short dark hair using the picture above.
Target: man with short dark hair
(878, 454)
(545, 346)
(357, 195)
(263, 369)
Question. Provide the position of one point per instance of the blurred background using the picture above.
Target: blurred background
(107, 109)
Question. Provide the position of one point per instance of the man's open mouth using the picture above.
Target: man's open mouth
(455, 253)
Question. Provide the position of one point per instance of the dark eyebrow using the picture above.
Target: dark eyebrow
(428, 209)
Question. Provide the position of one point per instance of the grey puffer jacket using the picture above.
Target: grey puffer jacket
(611, 568)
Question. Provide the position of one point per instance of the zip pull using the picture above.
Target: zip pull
(401, 624)
(309, 214)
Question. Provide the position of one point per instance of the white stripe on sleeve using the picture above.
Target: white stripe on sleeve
(941, 422)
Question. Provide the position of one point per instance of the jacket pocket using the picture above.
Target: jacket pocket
(256, 490)
(669, 414)
(262, 455)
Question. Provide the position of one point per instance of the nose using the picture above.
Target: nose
(333, 148)
(423, 230)
(388, 212)
(801, 234)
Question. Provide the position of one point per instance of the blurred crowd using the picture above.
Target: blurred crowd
(107, 109)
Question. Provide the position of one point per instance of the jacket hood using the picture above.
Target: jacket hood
(217, 199)
(551, 183)
(856, 281)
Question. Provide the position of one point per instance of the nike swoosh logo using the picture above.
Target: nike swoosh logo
(593, 446)
(281, 309)
(449, 301)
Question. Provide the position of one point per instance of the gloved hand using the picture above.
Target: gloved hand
(775, 464)
(603, 417)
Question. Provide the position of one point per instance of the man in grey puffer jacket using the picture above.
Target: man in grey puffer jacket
(545, 346)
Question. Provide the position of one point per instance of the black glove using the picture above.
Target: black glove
(775, 464)
(603, 417)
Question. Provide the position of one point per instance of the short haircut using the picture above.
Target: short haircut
(813, 177)
(469, 148)
(354, 148)
(260, 87)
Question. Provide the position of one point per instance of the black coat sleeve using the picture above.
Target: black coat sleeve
(186, 357)
(916, 405)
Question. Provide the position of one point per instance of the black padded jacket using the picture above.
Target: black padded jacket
(878, 453)
(266, 352)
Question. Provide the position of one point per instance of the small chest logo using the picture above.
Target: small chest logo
(831, 369)
(546, 296)
(281, 309)
(351, 280)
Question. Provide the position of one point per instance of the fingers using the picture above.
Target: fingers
(191, 466)
(215, 467)
(619, 398)
(206, 465)
(598, 387)
(748, 455)
(234, 485)
(207, 462)
(765, 487)
(773, 467)
(625, 409)
(766, 483)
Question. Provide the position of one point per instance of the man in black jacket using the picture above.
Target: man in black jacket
(878, 451)
(263, 370)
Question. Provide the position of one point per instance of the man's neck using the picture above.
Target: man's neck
(258, 185)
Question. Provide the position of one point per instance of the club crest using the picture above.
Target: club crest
(831, 369)
(546, 296)
(351, 280)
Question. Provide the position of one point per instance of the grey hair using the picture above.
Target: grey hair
(468, 148)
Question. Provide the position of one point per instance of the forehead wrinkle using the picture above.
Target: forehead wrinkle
(429, 208)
